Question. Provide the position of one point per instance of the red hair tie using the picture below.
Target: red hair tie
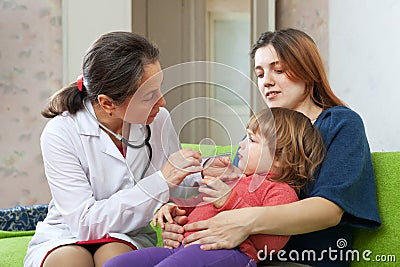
(79, 82)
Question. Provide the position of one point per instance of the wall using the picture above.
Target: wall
(311, 16)
(41, 49)
(83, 22)
(30, 70)
(364, 63)
(359, 42)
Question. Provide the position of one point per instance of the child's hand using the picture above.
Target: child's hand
(221, 167)
(218, 192)
(167, 211)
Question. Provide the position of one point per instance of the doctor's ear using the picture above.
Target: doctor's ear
(106, 103)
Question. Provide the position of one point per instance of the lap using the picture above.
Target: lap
(71, 255)
(108, 251)
(191, 256)
(142, 257)
(84, 254)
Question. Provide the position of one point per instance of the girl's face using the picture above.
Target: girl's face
(143, 106)
(276, 88)
(254, 154)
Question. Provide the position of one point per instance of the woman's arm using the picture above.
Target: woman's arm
(230, 228)
(304, 216)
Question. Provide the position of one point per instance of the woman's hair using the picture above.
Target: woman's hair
(301, 61)
(298, 145)
(113, 66)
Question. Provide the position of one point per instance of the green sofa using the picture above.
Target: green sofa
(374, 248)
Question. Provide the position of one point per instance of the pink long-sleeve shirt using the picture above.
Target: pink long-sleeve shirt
(269, 193)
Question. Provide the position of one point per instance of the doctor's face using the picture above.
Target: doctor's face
(144, 105)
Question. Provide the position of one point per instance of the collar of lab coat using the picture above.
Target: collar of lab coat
(86, 125)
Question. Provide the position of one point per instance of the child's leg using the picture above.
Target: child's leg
(193, 256)
(146, 257)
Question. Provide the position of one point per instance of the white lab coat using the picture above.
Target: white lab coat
(94, 192)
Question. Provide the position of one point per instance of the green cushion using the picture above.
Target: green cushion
(385, 241)
(5, 234)
(210, 150)
(13, 250)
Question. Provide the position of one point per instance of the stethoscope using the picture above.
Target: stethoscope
(126, 142)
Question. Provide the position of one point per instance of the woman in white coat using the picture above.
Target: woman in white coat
(110, 155)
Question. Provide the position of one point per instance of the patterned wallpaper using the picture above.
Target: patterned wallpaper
(30, 70)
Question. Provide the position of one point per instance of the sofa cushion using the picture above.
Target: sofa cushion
(22, 218)
(211, 150)
(13, 250)
(383, 243)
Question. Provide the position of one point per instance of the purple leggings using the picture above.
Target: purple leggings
(191, 256)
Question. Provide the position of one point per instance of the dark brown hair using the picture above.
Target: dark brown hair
(113, 66)
(298, 144)
(301, 61)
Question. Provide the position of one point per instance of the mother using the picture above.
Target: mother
(290, 74)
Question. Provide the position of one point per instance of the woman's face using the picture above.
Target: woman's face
(274, 85)
(144, 105)
(254, 154)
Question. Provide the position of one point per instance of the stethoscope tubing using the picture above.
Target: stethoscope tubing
(126, 142)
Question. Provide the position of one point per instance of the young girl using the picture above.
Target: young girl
(277, 162)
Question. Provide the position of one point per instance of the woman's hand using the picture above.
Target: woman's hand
(180, 164)
(218, 192)
(172, 234)
(221, 167)
(225, 230)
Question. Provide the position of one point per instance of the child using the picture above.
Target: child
(298, 150)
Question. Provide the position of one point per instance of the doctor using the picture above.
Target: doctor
(111, 156)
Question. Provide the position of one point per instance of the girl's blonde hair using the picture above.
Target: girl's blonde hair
(298, 145)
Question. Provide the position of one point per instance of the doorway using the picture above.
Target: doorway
(219, 31)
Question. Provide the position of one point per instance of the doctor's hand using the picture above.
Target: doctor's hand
(180, 164)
